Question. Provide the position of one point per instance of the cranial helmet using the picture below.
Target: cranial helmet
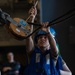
(41, 32)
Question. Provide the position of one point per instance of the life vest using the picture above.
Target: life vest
(39, 65)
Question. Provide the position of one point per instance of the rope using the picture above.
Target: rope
(51, 23)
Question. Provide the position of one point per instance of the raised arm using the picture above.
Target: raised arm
(29, 40)
(54, 49)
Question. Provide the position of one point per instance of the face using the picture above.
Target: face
(10, 56)
(43, 41)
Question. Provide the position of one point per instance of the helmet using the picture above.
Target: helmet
(41, 32)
